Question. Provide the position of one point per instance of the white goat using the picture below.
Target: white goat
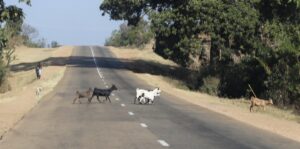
(146, 96)
(38, 91)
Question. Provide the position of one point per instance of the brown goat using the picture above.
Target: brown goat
(85, 94)
(259, 102)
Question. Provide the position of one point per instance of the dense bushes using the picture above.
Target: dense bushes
(254, 42)
(136, 36)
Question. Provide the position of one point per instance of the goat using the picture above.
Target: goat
(146, 96)
(85, 94)
(103, 92)
(259, 102)
(38, 91)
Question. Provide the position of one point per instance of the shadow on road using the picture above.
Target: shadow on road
(137, 66)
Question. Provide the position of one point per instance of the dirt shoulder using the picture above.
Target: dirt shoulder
(22, 98)
(278, 121)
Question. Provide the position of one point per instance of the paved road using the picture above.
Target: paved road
(56, 123)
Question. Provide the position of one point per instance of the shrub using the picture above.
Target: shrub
(236, 77)
(136, 36)
(4, 85)
(210, 85)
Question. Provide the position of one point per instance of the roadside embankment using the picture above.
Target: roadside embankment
(282, 122)
(22, 78)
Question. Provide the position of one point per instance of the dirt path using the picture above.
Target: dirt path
(274, 120)
(16, 103)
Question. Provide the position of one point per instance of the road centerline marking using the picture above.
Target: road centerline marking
(144, 125)
(97, 68)
(163, 143)
(123, 105)
(117, 99)
(131, 113)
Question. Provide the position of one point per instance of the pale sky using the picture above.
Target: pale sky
(70, 22)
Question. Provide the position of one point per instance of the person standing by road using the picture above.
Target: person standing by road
(38, 70)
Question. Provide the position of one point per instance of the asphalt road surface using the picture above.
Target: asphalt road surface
(56, 123)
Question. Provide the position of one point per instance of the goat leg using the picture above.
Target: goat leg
(134, 101)
(108, 99)
(75, 100)
(98, 99)
(90, 99)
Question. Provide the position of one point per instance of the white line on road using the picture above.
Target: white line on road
(113, 94)
(130, 113)
(106, 86)
(98, 70)
(144, 125)
(163, 143)
(123, 105)
(117, 99)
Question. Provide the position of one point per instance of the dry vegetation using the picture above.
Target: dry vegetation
(283, 122)
(22, 97)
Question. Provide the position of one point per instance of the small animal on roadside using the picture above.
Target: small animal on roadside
(84, 94)
(103, 92)
(38, 91)
(259, 103)
(146, 96)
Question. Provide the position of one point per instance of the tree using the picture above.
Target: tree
(31, 37)
(12, 32)
(29, 33)
(9, 15)
(178, 24)
(54, 44)
(263, 34)
(137, 36)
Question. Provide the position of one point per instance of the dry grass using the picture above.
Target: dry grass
(282, 122)
(17, 102)
(270, 110)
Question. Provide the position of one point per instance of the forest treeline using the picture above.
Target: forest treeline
(227, 44)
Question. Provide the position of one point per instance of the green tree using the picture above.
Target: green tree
(178, 24)
(263, 34)
(12, 32)
(136, 36)
(8, 16)
(55, 44)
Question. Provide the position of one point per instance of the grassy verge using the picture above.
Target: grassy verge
(22, 98)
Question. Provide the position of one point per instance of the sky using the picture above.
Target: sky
(70, 22)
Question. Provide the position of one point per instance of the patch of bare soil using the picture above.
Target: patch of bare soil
(16, 103)
(278, 121)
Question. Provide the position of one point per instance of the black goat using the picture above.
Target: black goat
(103, 92)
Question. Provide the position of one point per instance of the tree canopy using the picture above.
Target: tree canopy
(10, 20)
(253, 42)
